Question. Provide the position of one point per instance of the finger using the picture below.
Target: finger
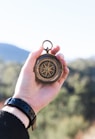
(64, 75)
(32, 58)
(65, 68)
(55, 50)
(61, 59)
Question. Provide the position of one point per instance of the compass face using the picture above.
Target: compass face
(47, 68)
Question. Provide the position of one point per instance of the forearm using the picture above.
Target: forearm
(11, 126)
(21, 116)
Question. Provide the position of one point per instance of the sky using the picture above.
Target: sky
(67, 23)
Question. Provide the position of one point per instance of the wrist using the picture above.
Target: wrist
(24, 107)
(30, 101)
(20, 115)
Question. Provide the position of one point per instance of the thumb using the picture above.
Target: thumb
(32, 58)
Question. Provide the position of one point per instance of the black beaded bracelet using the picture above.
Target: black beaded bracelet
(24, 107)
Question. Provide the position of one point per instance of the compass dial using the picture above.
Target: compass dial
(47, 69)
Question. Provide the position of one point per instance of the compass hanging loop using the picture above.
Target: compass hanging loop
(47, 45)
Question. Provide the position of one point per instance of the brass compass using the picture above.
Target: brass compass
(48, 68)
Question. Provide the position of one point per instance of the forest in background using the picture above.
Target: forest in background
(72, 111)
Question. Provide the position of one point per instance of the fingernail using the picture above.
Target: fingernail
(61, 55)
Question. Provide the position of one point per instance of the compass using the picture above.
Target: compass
(48, 68)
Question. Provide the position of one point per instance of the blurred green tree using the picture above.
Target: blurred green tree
(71, 111)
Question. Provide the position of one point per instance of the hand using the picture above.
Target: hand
(36, 94)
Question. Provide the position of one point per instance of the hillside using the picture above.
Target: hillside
(72, 114)
(10, 52)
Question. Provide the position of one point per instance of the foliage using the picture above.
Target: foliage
(9, 73)
(73, 109)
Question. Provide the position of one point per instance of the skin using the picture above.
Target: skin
(36, 94)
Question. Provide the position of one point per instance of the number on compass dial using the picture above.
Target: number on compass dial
(47, 69)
